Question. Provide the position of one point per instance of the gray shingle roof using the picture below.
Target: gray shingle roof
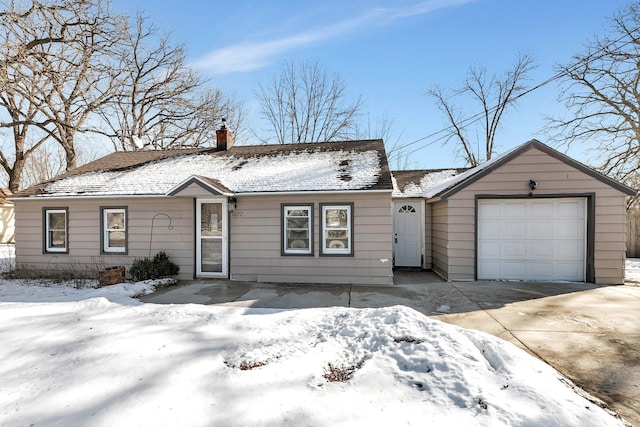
(329, 166)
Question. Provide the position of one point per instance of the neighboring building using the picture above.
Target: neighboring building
(328, 213)
(7, 217)
(316, 213)
(532, 213)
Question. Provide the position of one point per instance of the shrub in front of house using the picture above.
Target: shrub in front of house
(159, 266)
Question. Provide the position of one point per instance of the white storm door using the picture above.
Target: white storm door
(211, 238)
(532, 239)
(407, 234)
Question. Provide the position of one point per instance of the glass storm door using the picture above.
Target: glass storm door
(211, 238)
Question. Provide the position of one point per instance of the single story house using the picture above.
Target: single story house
(532, 213)
(328, 213)
(305, 213)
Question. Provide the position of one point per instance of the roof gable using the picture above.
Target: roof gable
(213, 186)
(451, 187)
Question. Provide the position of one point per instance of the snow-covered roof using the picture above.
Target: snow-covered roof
(445, 182)
(418, 183)
(337, 166)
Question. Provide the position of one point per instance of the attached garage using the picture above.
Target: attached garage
(532, 239)
(531, 213)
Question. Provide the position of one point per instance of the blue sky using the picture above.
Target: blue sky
(390, 52)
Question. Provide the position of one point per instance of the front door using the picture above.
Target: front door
(211, 238)
(407, 234)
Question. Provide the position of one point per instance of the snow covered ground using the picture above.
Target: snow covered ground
(632, 270)
(98, 357)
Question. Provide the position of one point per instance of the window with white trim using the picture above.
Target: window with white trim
(297, 229)
(337, 229)
(114, 230)
(55, 230)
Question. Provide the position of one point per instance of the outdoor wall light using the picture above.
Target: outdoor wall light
(232, 202)
(532, 186)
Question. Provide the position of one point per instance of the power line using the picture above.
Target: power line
(598, 54)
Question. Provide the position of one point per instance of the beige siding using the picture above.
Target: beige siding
(440, 238)
(553, 177)
(255, 238)
(84, 234)
(256, 242)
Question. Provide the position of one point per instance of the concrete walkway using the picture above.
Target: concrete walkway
(589, 333)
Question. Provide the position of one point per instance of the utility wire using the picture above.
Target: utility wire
(598, 54)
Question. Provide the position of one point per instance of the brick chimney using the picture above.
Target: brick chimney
(224, 137)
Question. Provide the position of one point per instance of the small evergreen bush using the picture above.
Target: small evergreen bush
(159, 266)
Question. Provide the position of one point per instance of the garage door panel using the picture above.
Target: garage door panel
(571, 209)
(514, 230)
(513, 250)
(490, 249)
(532, 239)
(569, 229)
(513, 269)
(490, 210)
(568, 270)
(514, 210)
(538, 228)
(541, 210)
(567, 251)
(489, 229)
(490, 270)
(540, 249)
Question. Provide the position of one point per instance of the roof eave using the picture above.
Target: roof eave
(446, 193)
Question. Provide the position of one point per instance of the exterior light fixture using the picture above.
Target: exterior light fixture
(532, 186)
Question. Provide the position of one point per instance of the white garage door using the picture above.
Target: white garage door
(532, 239)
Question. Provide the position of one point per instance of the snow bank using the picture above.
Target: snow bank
(99, 359)
(632, 270)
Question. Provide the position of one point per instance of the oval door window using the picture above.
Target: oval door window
(407, 209)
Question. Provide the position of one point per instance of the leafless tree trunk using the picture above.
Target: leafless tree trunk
(602, 94)
(493, 95)
(305, 103)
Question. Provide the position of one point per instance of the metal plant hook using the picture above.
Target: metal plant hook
(170, 227)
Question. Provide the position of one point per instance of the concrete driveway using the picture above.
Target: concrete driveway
(590, 333)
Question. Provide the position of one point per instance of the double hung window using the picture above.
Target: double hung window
(56, 227)
(337, 229)
(114, 230)
(297, 230)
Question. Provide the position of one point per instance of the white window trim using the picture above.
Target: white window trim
(105, 231)
(48, 247)
(285, 240)
(337, 251)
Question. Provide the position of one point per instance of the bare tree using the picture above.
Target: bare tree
(602, 95)
(161, 102)
(307, 103)
(73, 68)
(56, 73)
(22, 33)
(494, 95)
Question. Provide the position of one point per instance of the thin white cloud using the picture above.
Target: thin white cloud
(247, 56)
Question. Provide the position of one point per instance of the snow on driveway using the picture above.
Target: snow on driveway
(80, 357)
